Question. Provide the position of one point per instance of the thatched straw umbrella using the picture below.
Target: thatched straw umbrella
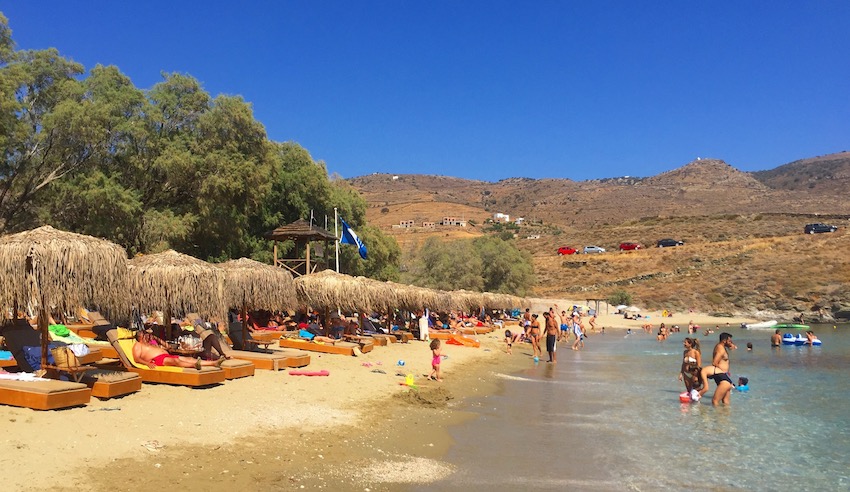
(330, 290)
(177, 284)
(255, 285)
(64, 269)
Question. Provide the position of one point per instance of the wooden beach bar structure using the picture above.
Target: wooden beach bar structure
(303, 234)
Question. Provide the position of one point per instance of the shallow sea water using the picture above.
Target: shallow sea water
(609, 418)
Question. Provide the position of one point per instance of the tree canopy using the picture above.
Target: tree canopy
(483, 264)
(168, 167)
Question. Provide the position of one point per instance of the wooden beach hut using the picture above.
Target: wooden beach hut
(303, 234)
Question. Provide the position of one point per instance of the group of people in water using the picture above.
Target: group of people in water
(776, 338)
(696, 377)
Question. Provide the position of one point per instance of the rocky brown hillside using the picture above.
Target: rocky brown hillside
(745, 252)
(823, 174)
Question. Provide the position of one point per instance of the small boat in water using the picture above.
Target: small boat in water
(764, 325)
(791, 326)
(789, 339)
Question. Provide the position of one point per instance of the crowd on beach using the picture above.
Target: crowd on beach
(556, 327)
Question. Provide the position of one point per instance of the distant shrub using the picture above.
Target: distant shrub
(620, 297)
(385, 210)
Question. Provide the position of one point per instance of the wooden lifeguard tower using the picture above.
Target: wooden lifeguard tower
(303, 234)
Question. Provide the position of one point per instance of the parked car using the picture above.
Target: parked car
(566, 250)
(665, 243)
(818, 227)
(593, 249)
(629, 246)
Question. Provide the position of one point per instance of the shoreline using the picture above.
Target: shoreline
(355, 429)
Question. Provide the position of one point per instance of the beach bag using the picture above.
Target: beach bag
(190, 342)
(64, 358)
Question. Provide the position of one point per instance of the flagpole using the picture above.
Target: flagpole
(336, 233)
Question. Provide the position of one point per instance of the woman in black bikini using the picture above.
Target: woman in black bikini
(534, 334)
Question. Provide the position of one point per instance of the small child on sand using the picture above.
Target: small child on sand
(436, 356)
(509, 340)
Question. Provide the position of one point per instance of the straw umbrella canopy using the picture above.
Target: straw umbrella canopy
(251, 284)
(49, 267)
(328, 289)
(176, 283)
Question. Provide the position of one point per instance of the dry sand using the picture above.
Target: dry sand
(357, 429)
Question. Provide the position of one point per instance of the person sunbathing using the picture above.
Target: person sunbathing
(155, 356)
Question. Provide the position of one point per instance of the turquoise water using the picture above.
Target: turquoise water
(609, 418)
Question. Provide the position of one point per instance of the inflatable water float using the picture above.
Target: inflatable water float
(789, 339)
(790, 326)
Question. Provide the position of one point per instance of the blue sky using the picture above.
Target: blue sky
(492, 89)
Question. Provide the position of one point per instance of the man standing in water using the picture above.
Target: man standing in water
(720, 370)
(776, 339)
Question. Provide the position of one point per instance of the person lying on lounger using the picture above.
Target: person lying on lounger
(154, 356)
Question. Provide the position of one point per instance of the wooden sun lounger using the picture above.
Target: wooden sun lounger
(180, 376)
(237, 368)
(274, 360)
(366, 343)
(43, 395)
(403, 336)
(476, 330)
(107, 384)
(341, 348)
(265, 358)
(84, 330)
(376, 341)
(267, 335)
(382, 336)
(103, 383)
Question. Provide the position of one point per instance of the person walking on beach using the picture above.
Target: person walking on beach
(720, 370)
(776, 339)
(436, 358)
(551, 336)
(534, 335)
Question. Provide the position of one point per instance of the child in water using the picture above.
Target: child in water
(436, 356)
(509, 339)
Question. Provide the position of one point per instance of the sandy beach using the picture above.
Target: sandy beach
(357, 429)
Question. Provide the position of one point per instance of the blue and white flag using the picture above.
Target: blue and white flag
(350, 237)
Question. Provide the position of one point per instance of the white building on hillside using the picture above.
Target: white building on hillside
(500, 217)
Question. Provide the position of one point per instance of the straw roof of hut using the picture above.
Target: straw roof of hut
(331, 290)
(300, 230)
(258, 285)
(69, 270)
(178, 283)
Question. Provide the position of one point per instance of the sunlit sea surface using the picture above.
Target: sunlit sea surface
(609, 418)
